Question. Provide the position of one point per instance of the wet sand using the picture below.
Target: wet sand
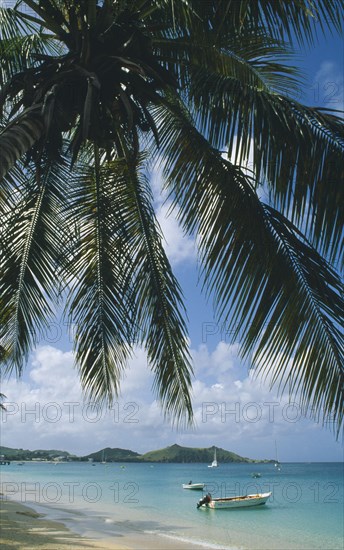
(21, 528)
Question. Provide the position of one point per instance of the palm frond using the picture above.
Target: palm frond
(259, 269)
(19, 137)
(22, 52)
(250, 57)
(292, 20)
(295, 150)
(97, 271)
(12, 24)
(156, 296)
(43, 12)
(21, 40)
(312, 335)
(28, 263)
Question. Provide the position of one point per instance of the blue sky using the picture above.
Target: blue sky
(233, 409)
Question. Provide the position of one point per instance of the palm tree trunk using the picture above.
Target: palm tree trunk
(18, 138)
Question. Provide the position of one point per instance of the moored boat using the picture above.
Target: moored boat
(243, 501)
(194, 486)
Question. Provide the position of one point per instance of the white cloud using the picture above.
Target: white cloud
(233, 409)
(179, 247)
(49, 369)
(50, 411)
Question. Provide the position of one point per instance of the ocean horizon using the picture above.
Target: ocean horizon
(110, 500)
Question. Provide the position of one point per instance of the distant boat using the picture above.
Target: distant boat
(277, 463)
(256, 474)
(194, 486)
(214, 463)
(244, 501)
(103, 458)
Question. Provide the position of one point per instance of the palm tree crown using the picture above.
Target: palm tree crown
(91, 92)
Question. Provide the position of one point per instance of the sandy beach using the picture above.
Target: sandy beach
(21, 528)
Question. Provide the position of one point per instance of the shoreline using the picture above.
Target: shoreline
(25, 528)
(22, 527)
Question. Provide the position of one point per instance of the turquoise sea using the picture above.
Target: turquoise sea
(107, 500)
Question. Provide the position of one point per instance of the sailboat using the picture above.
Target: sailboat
(103, 458)
(214, 463)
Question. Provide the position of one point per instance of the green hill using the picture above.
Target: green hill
(26, 454)
(176, 453)
(113, 455)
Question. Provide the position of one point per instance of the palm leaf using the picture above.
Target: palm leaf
(295, 150)
(122, 289)
(316, 373)
(22, 39)
(157, 300)
(253, 58)
(293, 20)
(259, 270)
(28, 264)
(231, 87)
(19, 137)
(97, 272)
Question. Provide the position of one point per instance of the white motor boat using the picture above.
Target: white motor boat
(194, 486)
(244, 501)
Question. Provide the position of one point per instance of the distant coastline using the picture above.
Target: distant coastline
(172, 454)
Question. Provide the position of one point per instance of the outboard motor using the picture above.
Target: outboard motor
(204, 500)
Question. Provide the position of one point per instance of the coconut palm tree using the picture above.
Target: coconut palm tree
(91, 92)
